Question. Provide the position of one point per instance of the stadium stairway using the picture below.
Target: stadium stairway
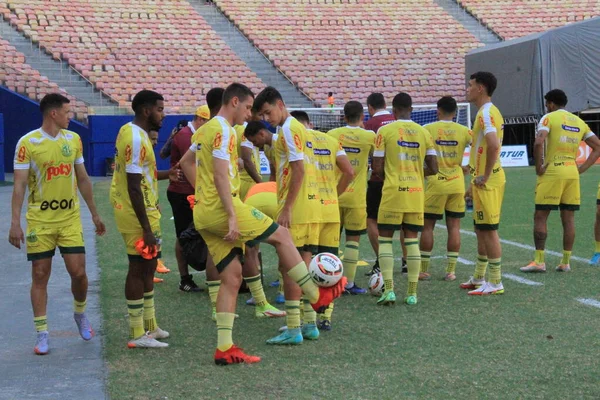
(249, 54)
(56, 71)
(481, 31)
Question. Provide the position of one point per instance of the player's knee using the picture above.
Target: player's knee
(280, 236)
(77, 274)
(40, 275)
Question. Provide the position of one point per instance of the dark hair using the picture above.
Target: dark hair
(486, 79)
(301, 116)
(214, 100)
(267, 95)
(145, 98)
(353, 111)
(402, 101)
(447, 105)
(53, 101)
(253, 128)
(376, 100)
(181, 124)
(330, 94)
(557, 97)
(242, 92)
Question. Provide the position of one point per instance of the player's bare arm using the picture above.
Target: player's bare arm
(538, 152)
(431, 165)
(187, 166)
(15, 234)
(134, 189)
(594, 143)
(493, 146)
(86, 189)
(221, 168)
(296, 178)
(249, 165)
(378, 167)
(347, 171)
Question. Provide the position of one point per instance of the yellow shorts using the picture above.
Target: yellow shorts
(254, 227)
(131, 237)
(354, 220)
(244, 187)
(487, 207)
(42, 242)
(550, 194)
(452, 204)
(306, 237)
(329, 237)
(392, 220)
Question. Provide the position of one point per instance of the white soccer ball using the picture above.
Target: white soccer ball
(326, 269)
(376, 284)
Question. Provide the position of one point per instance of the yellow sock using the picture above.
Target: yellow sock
(425, 258)
(539, 256)
(350, 261)
(413, 264)
(41, 323)
(292, 309)
(480, 267)
(495, 271)
(597, 247)
(213, 291)
(452, 259)
(256, 288)
(327, 314)
(566, 258)
(310, 315)
(135, 309)
(79, 306)
(225, 330)
(300, 275)
(280, 289)
(386, 262)
(149, 313)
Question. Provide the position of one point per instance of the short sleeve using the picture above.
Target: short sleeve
(340, 151)
(468, 137)
(79, 152)
(488, 125)
(294, 145)
(379, 145)
(133, 154)
(587, 132)
(22, 155)
(544, 124)
(246, 143)
(223, 144)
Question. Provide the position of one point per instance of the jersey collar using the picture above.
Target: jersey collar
(382, 112)
(49, 136)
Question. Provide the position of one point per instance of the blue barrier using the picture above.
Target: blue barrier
(2, 177)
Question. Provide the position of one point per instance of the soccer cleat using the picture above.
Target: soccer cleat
(289, 336)
(472, 283)
(41, 343)
(424, 276)
(84, 326)
(374, 270)
(251, 302)
(324, 325)
(354, 290)
(280, 298)
(145, 341)
(274, 283)
(310, 331)
(282, 329)
(411, 300)
(404, 267)
(160, 267)
(189, 286)
(159, 334)
(329, 294)
(157, 280)
(563, 268)
(387, 298)
(234, 355)
(487, 289)
(595, 260)
(268, 311)
(450, 277)
(534, 267)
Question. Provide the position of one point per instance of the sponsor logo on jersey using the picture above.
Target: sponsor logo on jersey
(218, 140)
(329, 202)
(297, 142)
(410, 145)
(231, 144)
(353, 150)
(325, 166)
(408, 157)
(355, 162)
(568, 140)
(407, 178)
(58, 171)
(313, 196)
(446, 142)
(545, 121)
(66, 150)
(142, 155)
(21, 154)
(321, 152)
(378, 140)
(570, 128)
(410, 189)
(128, 153)
(309, 144)
(62, 204)
(447, 154)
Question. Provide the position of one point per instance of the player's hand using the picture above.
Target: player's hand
(285, 218)
(541, 170)
(175, 174)
(469, 192)
(16, 236)
(149, 239)
(480, 181)
(100, 228)
(234, 232)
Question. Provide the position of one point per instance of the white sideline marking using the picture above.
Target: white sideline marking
(521, 245)
(463, 261)
(517, 278)
(589, 302)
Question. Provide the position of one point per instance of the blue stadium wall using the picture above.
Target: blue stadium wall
(2, 177)
(22, 115)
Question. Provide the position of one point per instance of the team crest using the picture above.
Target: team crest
(66, 150)
(32, 237)
(257, 214)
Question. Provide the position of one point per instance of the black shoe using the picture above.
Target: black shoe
(188, 285)
(374, 270)
(404, 267)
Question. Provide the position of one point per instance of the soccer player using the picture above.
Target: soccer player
(250, 173)
(134, 195)
(487, 185)
(50, 161)
(226, 224)
(445, 192)
(555, 150)
(402, 148)
(595, 260)
(358, 143)
(177, 194)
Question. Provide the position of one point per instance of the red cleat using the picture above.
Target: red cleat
(328, 294)
(234, 355)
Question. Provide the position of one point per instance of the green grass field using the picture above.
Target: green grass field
(533, 342)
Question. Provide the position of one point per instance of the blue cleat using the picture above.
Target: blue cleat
(41, 344)
(289, 337)
(280, 298)
(354, 290)
(310, 332)
(250, 302)
(324, 325)
(595, 260)
(274, 283)
(84, 326)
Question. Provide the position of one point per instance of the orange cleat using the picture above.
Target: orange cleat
(424, 276)
(160, 267)
(234, 355)
(328, 294)
(158, 280)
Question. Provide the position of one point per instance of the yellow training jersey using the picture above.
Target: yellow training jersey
(449, 140)
(290, 146)
(134, 154)
(325, 150)
(51, 161)
(215, 139)
(243, 142)
(565, 132)
(403, 145)
(268, 150)
(488, 120)
(358, 143)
